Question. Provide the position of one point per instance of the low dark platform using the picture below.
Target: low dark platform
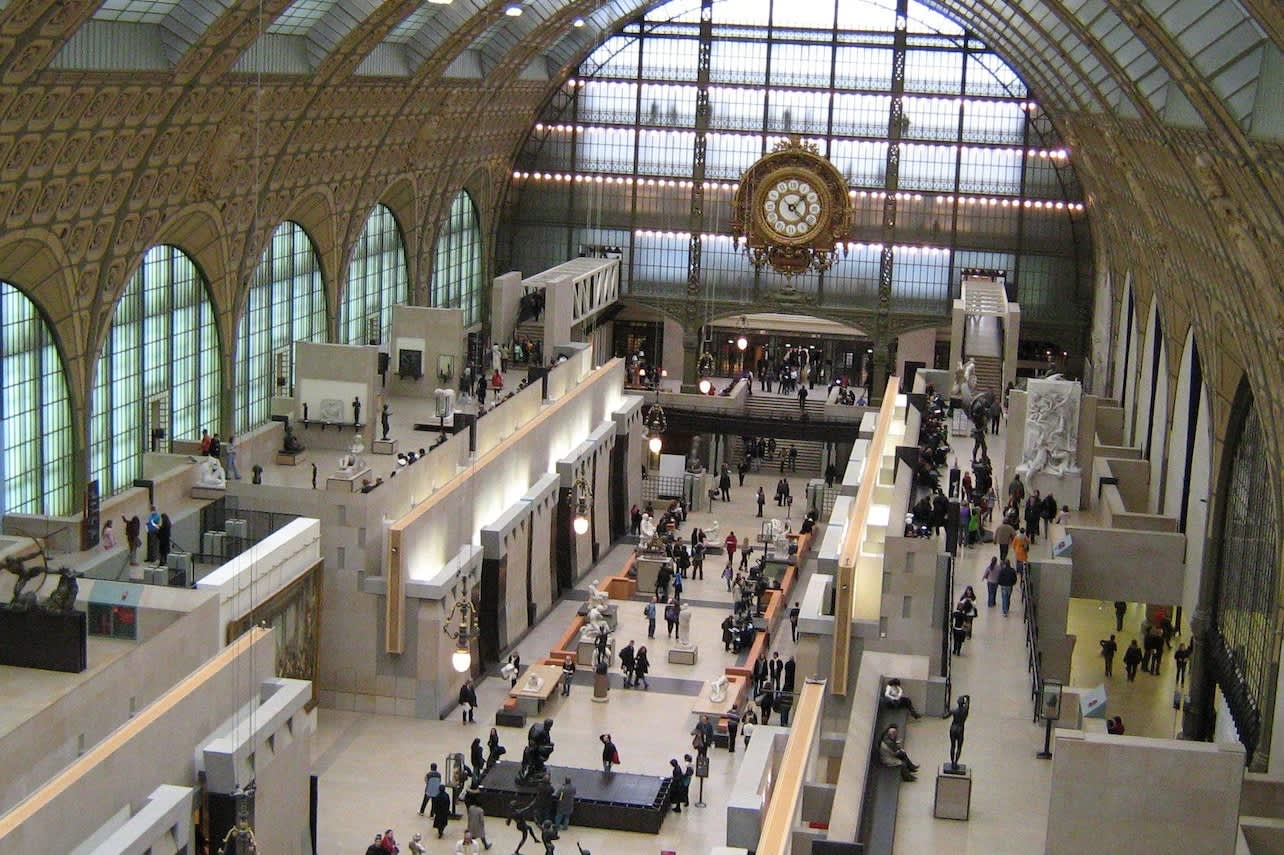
(618, 801)
(35, 638)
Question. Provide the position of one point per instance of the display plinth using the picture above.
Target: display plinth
(611, 614)
(953, 793)
(1065, 488)
(35, 638)
(586, 650)
(384, 446)
(601, 687)
(682, 655)
(347, 482)
(284, 459)
(199, 492)
(648, 568)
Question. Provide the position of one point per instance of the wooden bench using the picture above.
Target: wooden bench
(883, 785)
(568, 642)
(621, 586)
(720, 732)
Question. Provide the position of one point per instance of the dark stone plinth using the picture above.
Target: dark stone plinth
(35, 638)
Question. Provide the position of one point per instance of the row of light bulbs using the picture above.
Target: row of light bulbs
(1044, 153)
(912, 249)
(730, 187)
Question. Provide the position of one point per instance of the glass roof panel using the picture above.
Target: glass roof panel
(135, 11)
(299, 17)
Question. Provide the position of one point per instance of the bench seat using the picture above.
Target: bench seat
(883, 786)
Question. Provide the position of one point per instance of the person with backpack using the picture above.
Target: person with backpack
(610, 754)
(697, 560)
(1007, 579)
(671, 617)
(626, 664)
(648, 611)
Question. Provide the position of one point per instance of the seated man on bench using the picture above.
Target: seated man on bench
(891, 753)
(894, 698)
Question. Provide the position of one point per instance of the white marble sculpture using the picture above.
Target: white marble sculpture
(212, 475)
(718, 689)
(496, 358)
(597, 598)
(648, 527)
(533, 683)
(352, 462)
(1051, 427)
(594, 624)
(778, 530)
(684, 626)
(964, 382)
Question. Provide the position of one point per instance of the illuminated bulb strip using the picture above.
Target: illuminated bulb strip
(731, 187)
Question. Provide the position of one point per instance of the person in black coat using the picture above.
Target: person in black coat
(766, 702)
(477, 754)
(791, 667)
(641, 665)
(759, 673)
(776, 668)
(441, 811)
(677, 786)
(467, 701)
(724, 484)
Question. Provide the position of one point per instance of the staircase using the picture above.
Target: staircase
(989, 374)
(532, 330)
(810, 454)
(781, 407)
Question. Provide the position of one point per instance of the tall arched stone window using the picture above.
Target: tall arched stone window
(457, 264)
(1246, 601)
(377, 280)
(158, 377)
(286, 304)
(35, 413)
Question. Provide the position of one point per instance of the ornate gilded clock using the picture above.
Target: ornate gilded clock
(792, 210)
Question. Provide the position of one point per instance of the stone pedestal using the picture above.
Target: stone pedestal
(199, 492)
(283, 459)
(611, 614)
(648, 568)
(683, 655)
(585, 651)
(601, 688)
(384, 446)
(347, 482)
(953, 798)
(1064, 488)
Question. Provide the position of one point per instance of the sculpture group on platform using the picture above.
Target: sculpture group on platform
(1051, 427)
(63, 598)
(539, 747)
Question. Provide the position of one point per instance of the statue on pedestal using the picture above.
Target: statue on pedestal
(718, 689)
(290, 443)
(356, 410)
(384, 415)
(595, 624)
(959, 714)
(212, 475)
(598, 598)
(964, 382)
(539, 747)
(684, 626)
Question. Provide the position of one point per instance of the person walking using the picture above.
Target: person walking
(733, 724)
(649, 612)
(1007, 579)
(108, 537)
(702, 736)
(1121, 611)
(793, 620)
(641, 665)
(477, 756)
(802, 399)
(991, 579)
(1132, 660)
(153, 534)
(565, 804)
(493, 749)
(1021, 550)
(766, 702)
(958, 630)
(727, 574)
(724, 484)
(1003, 534)
(467, 701)
(1180, 658)
(730, 545)
(477, 821)
(671, 617)
(626, 664)
(747, 725)
(432, 786)
(440, 812)
(1108, 648)
(610, 754)
(761, 499)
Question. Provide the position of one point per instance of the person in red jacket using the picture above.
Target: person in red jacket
(730, 543)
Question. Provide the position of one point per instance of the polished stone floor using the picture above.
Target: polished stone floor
(371, 767)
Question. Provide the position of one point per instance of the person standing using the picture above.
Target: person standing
(1007, 579)
(153, 535)
(1121, 611)
(1180, 658)
(793, 460)
(440, 811)
(776, 668)
(1108, 648)
(741, 469)
(702, 736)
(747, 725)
(641, 665)
(730, 545)
(626, 664)
(733, 724)
(164, 538)
(697, 560)
(1033, 517)
(610, 754)
(1003, 534)
(759, 673)
(565, 804)
(766, 702)
(761, 499)
(649, 612)
(467, 701)
(1016, 492)
(958, 630)
(133, 529)
(802, 399)
(493, 749)
(671, 617)
(793, 620)
(635, 521)
(1132, 659)
(724, 484)
(229, 455)
(477, 756)
(568, 675)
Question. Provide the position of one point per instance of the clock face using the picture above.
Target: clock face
(792, 208)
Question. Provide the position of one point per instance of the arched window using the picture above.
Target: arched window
(1242, 635)
(35, 413)
(286, 304)
(377, 280)
(158, 375)
(457, 264)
